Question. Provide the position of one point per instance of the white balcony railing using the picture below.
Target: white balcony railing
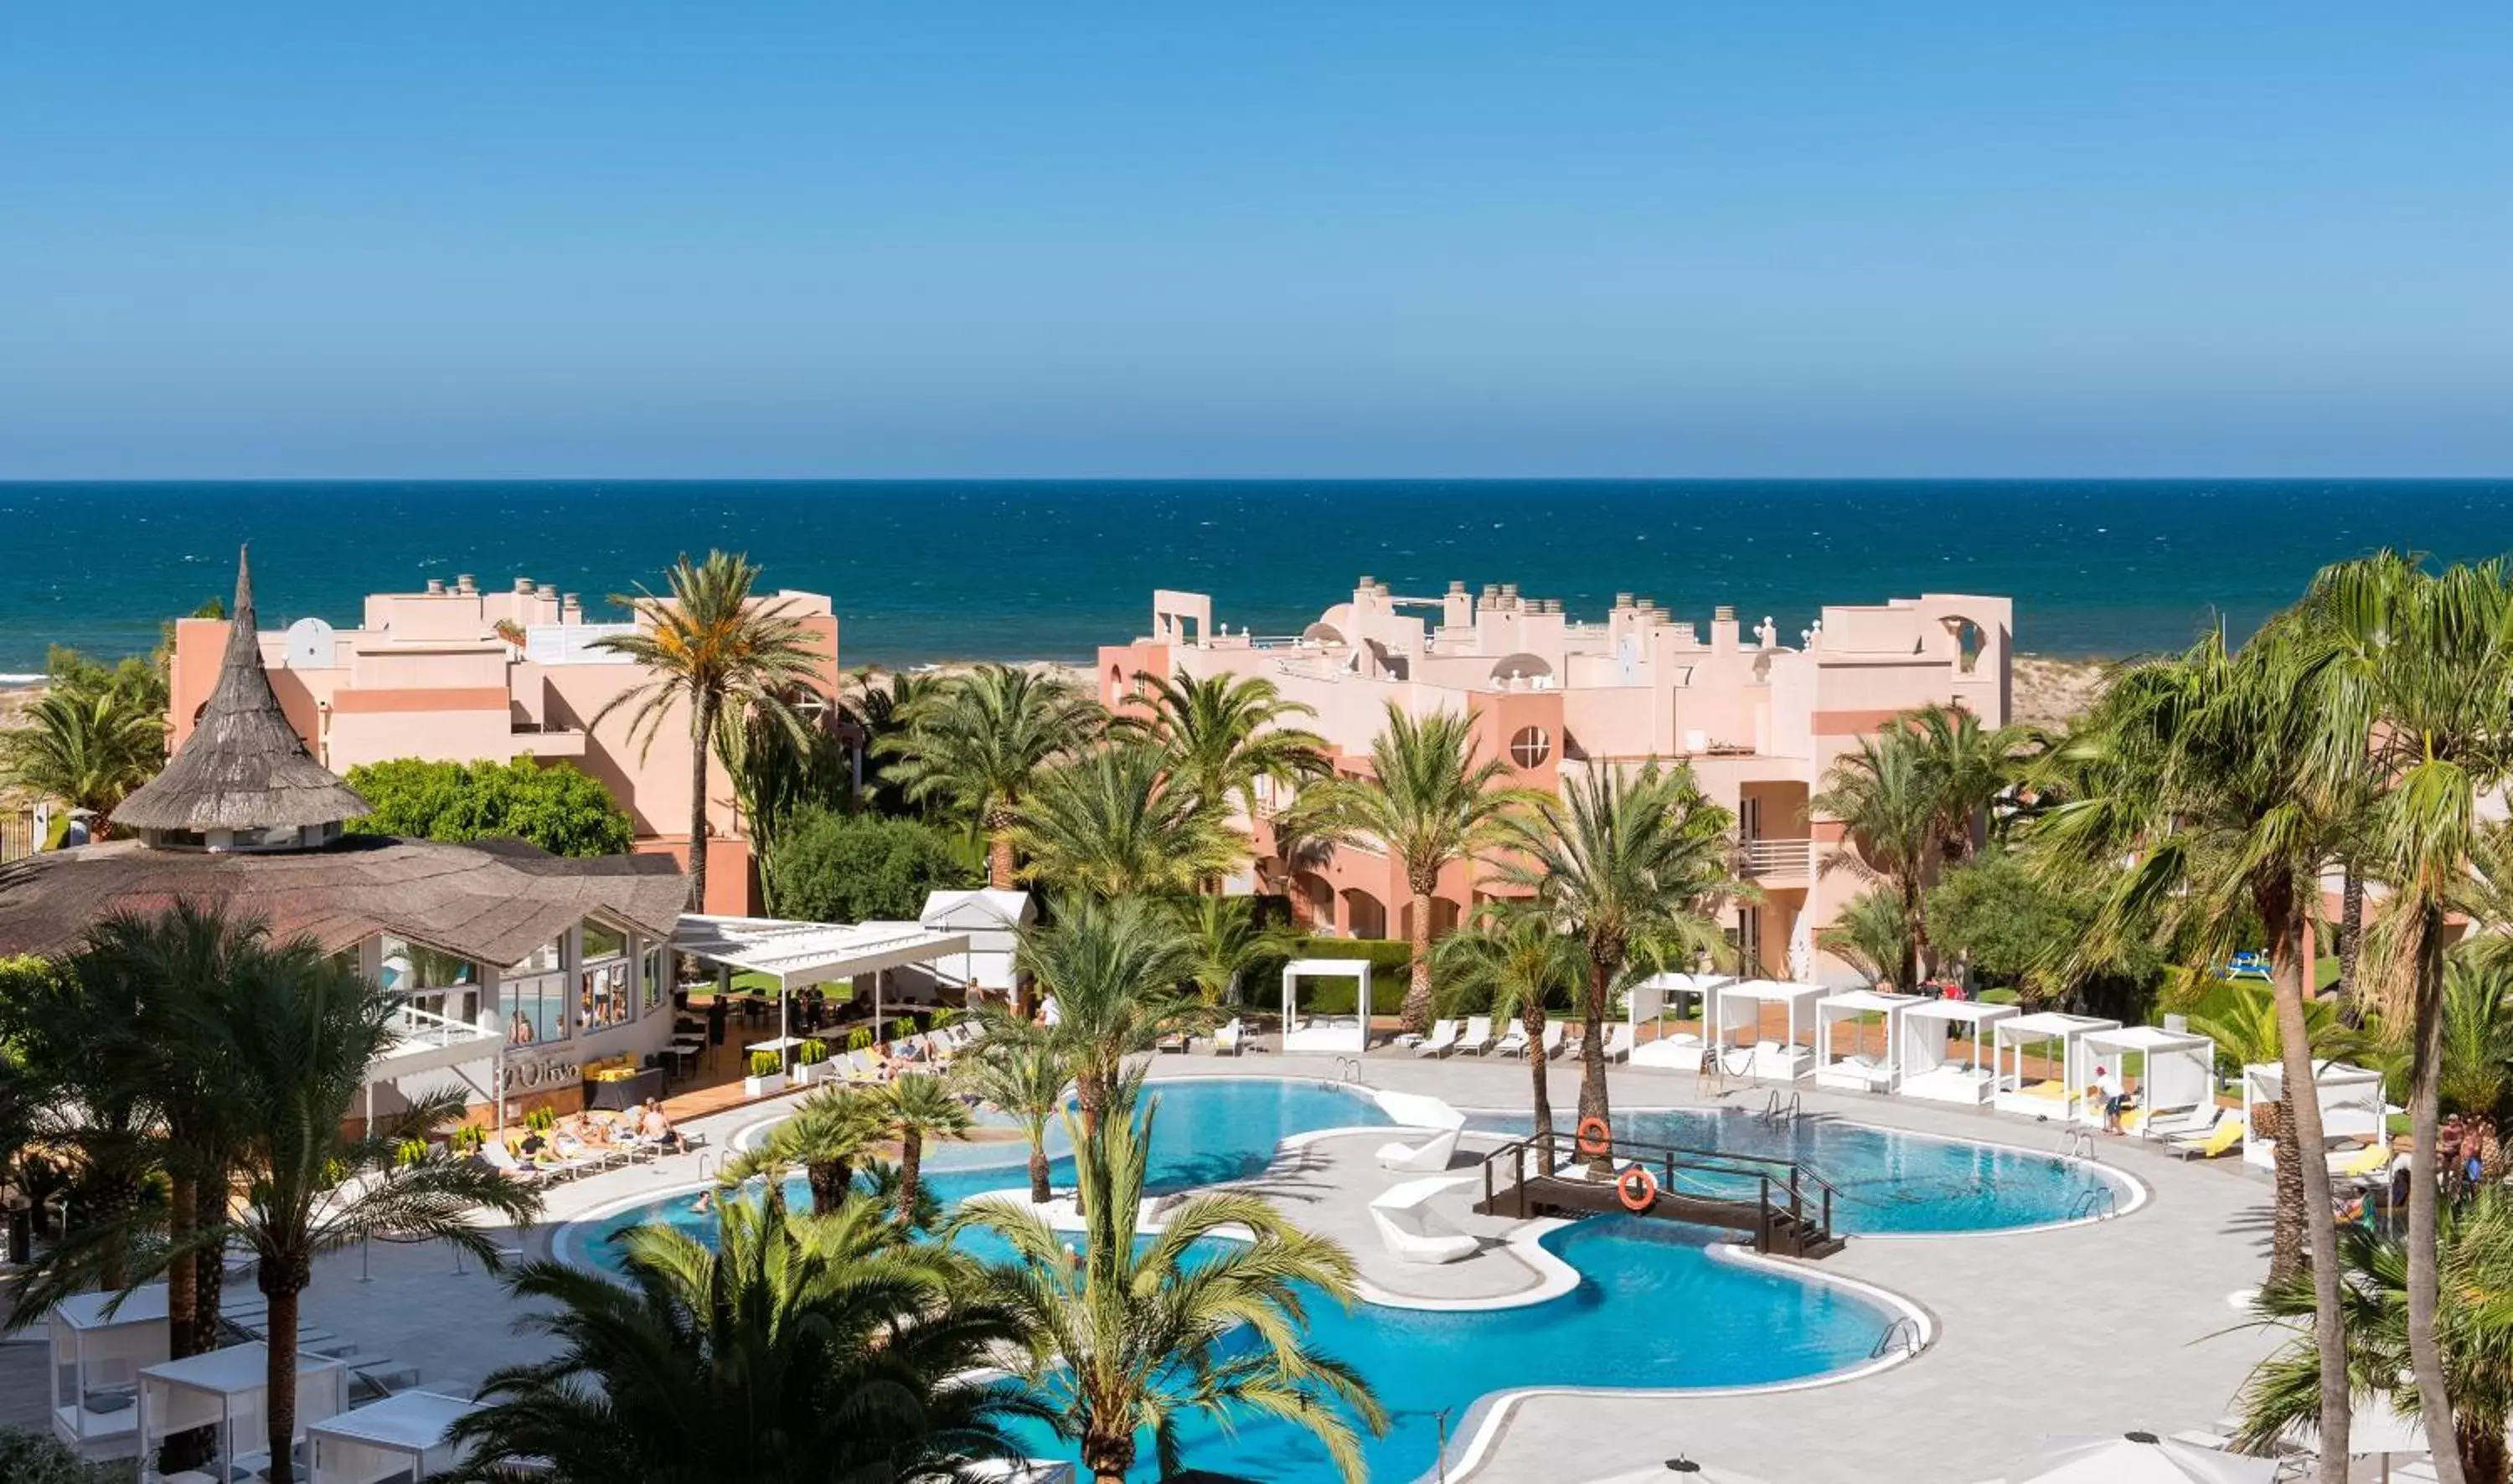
(1779, 857)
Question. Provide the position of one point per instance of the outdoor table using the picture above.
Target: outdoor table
(618, 1094)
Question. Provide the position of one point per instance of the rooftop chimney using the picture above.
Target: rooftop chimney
(571, 603)
(524, 585)
(464, 584)
(1457, 584)
(435, 587)
(1726, 612)
(1622, 600)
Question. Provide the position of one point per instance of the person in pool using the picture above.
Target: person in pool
(705, 1203)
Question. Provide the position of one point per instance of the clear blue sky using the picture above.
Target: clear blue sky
(810, 238)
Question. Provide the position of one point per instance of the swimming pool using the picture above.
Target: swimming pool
(1656, 1306)
(1886, 1182)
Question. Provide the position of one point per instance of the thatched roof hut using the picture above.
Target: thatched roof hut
(243, 780)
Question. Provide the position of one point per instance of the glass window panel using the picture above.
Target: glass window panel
(536, 1008)
(601, 942)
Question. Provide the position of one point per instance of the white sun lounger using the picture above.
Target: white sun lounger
(1618, 1043)
(1554, 1032)
(1478, 1036)
(1513, 1042)
(1442, 1040)
(1226, 1040)
(1432, 1154)
(1411, 1232)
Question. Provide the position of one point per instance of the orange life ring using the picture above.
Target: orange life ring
(1635, 1188)
(1595, 1138)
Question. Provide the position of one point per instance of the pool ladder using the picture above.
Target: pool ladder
(1782, 1108)
(2097, 1203)
(1902, 1335)
(2078, 1143)
(1347, 1068)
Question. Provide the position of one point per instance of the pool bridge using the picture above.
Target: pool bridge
(1784, 1207)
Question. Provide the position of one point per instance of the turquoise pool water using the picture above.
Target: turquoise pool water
(1886, 1182)
(1654, 1309)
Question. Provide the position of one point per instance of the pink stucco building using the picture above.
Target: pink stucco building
(456, 674)
(1759, 715)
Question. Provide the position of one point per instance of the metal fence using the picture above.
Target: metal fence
(17, 836)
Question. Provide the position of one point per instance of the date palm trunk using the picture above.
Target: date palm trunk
(830, 1181)
(1593, 1103)
(279, 1381)
(703, 714)
(1040, 1191)
(2425, 1099)
(2482, 1450)
(1533, 1020)
(1418, 991)
(912, 1174)
(2351, 943)
(184, 1336)
(2276, 902)
(999, 846)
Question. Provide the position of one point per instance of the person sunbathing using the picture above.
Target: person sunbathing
(657, 1130)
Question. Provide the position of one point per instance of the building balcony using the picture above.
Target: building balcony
(547, 741)
(424, 1041)
(1777, 860)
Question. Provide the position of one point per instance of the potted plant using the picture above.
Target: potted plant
(813, 1053)
(766, 1075)
(860, 1039)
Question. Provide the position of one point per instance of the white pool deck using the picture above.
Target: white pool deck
(2096, 1328)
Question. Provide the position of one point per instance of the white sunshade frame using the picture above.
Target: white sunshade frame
(210, 1390)
(379, 1440)
(2011, 1038)
(2352, 1105)
(1831, 1010)
(2179, 1068)
(799, 955)
(99, 1343)
(1323, 1038)
(1935, 1018)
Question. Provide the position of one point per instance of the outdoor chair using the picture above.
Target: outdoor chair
(1513, 1043)
(1442, 1040)
(1478, 1036)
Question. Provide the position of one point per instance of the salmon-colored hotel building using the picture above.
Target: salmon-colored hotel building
(456, 674)
(1759, 715)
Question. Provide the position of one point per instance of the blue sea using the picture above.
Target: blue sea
(948, 569)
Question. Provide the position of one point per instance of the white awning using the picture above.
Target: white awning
(799, 953)
(406, 1422)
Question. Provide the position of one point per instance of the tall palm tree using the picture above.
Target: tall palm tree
(296, 1031)
(1228, 937)
(1129, 1339)
(712, 645)
(1429, 803)
(71, 1028)
(2475, 1258)
(913, 1110)
(1635, 863)
(2205, 772)
(1114, 821)
(2418, 669)
(1226, 735)
(1871, 935)
(1018, 1070)
(2477, 1073)
(1515, 961)
(1885, 797)
(830, 1134)
(879, 712)
(1969, 766)
(2245, 1021)
(792, 1350)
(1114, 970)
(86, 747)
(978, 744)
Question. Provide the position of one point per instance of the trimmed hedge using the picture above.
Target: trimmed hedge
(1391, 971)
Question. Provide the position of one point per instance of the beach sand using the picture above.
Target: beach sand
(2052, 692)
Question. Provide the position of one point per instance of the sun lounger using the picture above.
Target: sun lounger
(502, 1159)
(1618, 1043)
(1411, 1232)
(2369, 1160)
(1513, 1043)
(1226, 1042)
(2209, 1142)
(1432, 1154)
(1478, 1036)
(1553, 1039)
(1442, 1040)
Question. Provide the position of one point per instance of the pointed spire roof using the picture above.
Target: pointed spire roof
(244, 767)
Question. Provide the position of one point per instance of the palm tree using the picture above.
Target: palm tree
(792, 1350)
(1019, 1072)
(1114, 968)
(1885, 797)
(713, 646)
(1515, 960)
(913, 1110)
(829, 1135)
(2205, 772)
(879, 713)
(780, 762)
(2477, 1073)
(978, 743)
(295, 1032)
(1132, 1339)
(87, 747)
(1969, 766)
(2244, 1022)
(1871, 935)
(1228, 936)
(2418, 671)
(1429, 803)
(2475, 1259)
(1634, 863)
(1224, 735)
(72, 1029)
(1115, 822)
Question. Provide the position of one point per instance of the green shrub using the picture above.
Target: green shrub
(813, 1052)
(410, 1151)
(1391, 969)
(860, 1039)
(858, 868)
(764, 1064)
(29, 1457)
(554, 806)
(541, 1120)
(468, 1138)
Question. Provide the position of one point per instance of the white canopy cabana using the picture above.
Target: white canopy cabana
(1928, 1070)
(1685, 996)
(2351, 1105)
(400, 1437)
(97, 1350)
(1743, 1046)
(2143, 1457)
(226, 1390)
(799, 955)
(1858, 1068)
(2057, 1090)
(1344, 1033)
(2177, 1072)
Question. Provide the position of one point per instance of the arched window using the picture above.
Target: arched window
(1530, 747)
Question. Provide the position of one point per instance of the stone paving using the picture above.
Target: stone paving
(2070, 1332)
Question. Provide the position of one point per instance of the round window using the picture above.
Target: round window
(1530, 747)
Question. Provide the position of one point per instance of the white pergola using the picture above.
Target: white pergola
(1326, 1032)
(2177, 1070)
(1738, 1007)
(1858, 1070)
(97, 1350)
(1927, 1070)
(400, 1437)
(2351, 1105)
(1659, 995)
(800, 955)
(226, 1390)
(2051, 1095)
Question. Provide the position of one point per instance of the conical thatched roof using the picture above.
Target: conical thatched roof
(244, 767)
